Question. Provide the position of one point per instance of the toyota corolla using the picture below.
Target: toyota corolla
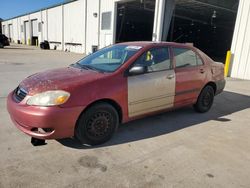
(117, 84)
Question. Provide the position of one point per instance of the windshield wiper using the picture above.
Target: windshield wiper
(82, 66)
(93, 68)
(89, 67)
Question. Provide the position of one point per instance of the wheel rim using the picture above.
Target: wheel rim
(99, 125)
(207, 100)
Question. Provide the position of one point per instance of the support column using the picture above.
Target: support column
(163, 15)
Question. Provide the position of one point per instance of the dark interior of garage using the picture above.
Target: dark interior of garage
(207, 24)
(135, 20)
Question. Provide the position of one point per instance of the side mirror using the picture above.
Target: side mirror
(137, 69)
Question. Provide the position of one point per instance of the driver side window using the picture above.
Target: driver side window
(156, 59)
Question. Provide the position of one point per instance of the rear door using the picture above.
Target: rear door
(190, 75)
(155, 89)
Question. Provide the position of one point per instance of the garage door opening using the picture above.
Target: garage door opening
(34, 32)
(135, 20)
(207, 24)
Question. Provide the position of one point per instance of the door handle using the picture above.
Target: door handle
(202, 71)
(171, 76)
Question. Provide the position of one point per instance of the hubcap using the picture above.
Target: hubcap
(99, 125)
(207, 99)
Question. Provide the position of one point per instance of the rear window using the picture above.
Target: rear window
(185, 57)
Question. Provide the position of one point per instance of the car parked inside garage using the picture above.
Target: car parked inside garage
(114, 85)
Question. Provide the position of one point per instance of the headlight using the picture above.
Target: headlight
(49, 98)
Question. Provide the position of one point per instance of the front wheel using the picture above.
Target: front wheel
(97, 125)
(1, 45)
(205, 100)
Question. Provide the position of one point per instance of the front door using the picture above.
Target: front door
(154, 90)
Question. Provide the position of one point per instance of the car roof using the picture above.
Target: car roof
(152, 43)
(173, 44)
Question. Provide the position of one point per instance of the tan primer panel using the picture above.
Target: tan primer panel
(150, 92)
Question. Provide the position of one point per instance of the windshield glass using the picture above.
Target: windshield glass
(109, 59)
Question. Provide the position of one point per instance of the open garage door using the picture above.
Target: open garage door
(207, 24)
(34, 37)
(135, 20)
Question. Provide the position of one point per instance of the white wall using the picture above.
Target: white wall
(241, 43)
(55, 27)
(92, 30)
(107, 36)
(15, 30)
(24, 40)
(74, 27)
(73, 23)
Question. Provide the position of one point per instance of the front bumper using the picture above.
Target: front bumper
(56, 121)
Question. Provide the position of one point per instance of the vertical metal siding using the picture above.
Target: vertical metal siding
(107, 37)
(241, 42)
(74, 26)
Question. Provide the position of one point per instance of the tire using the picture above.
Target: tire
(205, 100)
(1, 45)
(97, 125)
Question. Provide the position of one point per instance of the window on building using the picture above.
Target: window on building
(39, 27)
(106, 20)
(185, 58)
(21, 28)
(156, 59)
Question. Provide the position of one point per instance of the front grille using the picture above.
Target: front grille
(20, 94)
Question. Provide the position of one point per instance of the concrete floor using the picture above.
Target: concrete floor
(175, 149)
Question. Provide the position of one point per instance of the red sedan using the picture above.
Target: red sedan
(117, 84)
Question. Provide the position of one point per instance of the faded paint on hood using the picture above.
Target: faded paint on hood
(59, 79)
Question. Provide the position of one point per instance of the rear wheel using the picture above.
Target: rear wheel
(205, 100)
(97, 125)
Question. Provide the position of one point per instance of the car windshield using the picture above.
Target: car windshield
(109, 59)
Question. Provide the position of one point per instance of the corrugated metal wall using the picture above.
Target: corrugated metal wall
(241, 43)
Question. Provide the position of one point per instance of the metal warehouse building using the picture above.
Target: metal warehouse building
(214, 26)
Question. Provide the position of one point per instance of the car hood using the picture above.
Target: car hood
(59, 79)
